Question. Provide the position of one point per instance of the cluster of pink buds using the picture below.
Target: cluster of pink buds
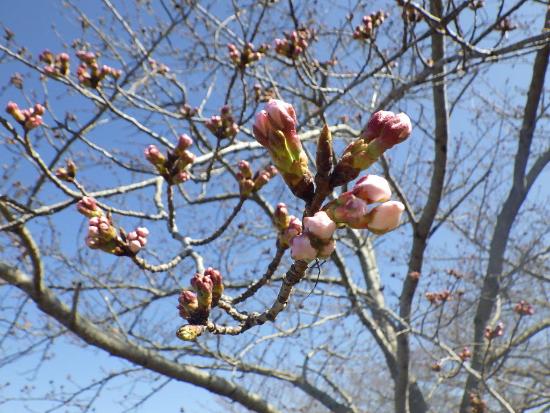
(159, 68)
(28, 118)
(88, 207)
(491, 333)
(89, 73)
(195, 306)
(102, 235)
(56, 65)
(275, 129)
(294, 43)
(249, 182)
(137, 239)
(465, 354)
(523, 308)
(354, 208)
(383, 131)
(68, 172)
(287, 225)
(437, 366)
(367, 30)
(223, 126)
(247, 56)
(316, 240)
(187, 111)
(438, 297)
(410, 13)
(173, 167)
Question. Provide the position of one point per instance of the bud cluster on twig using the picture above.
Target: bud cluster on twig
(174, 166)
(249, 182)
(223, 126)
(494, 332)
(56, 65)
(316, 240)
(195, 305)
(367, 30)
(89, 73)
(523, 308)
(247, 56)
(353, 208)
(103, 235)
(438, 297)
(68, 172)
(28, 118)
(294, 44)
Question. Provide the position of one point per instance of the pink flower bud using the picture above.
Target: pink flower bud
(301, 248)
(11, 107)
(349, 209)
(281, 217)
(63, 57)
(87, 206)
(388, 127)
(153, 155)
(375, 124)
(38, 109)
(244, 168)
(281, 115)
(261, 128)
(372, 188)
(184, 142)
(320, 225)
(188, 303)
(293, 229)
(385, 217)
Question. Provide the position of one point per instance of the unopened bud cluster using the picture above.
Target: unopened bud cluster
(294, 44)
(223, 126)
(89, 73)
(249, 182)
(187, 111)
(68, 172)
(367, 30)
(494, 332)
(383, 131)
(316, 240)
(523, 308)
(56, 65)
(505, 25)
(174, 166)
(103, 235)
(465, 354)
(207, 289)
(353, 208)
(438, 297)
(28, 118)
(247, 56)
(477, 404)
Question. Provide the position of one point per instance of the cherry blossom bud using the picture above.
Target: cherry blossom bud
(523, 308)
(293, 229)
(88, 207)
(153, 155)
(492, 333)
(187, 157)
(137, 239)
(281, 217)
(188, 303)
(203, 285)
(189, 332)
(388, 127)
(244, 167)
(217, 284)
(301, 248)
(46, 56)
(261, 128)
(281, 115)
(465, 354)
(320, 225)
(184, 142)
(372, 188)
(181, 177)
(385, 217)
(33, 122)
(262, 179)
